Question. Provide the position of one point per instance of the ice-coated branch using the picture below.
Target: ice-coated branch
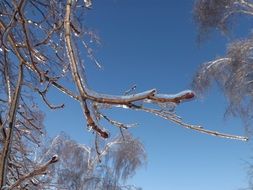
(7, 76)
(87, 93)
(10, 26)
(150, 96)
(28, 44)
(172, 117)
(37, 171)
(11, 123)
(43, 96)
(174, 98)
(217, 62)
(91, 123)
(117, 123)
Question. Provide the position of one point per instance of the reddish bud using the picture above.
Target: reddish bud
(104, 134)
(188, 95)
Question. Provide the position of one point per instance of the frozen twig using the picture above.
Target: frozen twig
(167, 116)
(43, 96)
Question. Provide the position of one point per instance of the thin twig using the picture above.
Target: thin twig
(193, 127)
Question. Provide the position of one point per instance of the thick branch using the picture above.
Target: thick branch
(11, 124)
(86, 93)
(37, 171)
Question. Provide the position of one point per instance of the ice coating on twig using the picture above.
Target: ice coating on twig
(131, 97)
(180, 94)
(192, 127)
(179, 97)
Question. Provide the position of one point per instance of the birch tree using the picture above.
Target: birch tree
(233, 71)
(94, 167)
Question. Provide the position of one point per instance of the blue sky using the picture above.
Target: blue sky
(152, 44)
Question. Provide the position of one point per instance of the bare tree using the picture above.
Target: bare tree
(233, 72)
(83, 167)
(42, 47)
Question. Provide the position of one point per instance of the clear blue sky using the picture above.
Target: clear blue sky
(152, 43)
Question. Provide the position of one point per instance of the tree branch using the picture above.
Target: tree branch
(37, 171)
(11, 124)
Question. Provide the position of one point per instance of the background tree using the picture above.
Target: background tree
(42, 47)
(83, 167)
(232, 72)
